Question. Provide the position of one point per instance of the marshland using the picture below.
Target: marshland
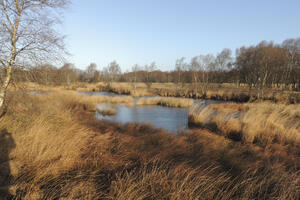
(219, 123)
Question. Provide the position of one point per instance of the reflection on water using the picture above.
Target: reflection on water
(171, 119)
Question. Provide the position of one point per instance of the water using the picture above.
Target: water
(39, 92)
(171, 119)
(108, 94)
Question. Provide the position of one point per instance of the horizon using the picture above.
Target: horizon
(139, 32)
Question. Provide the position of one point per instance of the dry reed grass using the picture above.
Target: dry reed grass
(94, 99)
(107, 111)
(62, 152)
(262, 123)
(166, 101)
(224, 92)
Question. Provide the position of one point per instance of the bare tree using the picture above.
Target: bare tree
(148, 79)
(114, 70)
(67, 74)
(224, 60)
(292, 47)
(195, 68)
(259, 64)
(91, 72)
(111, 72)
(28, 35)
(135, 69)
(180, 67)
(207, 65)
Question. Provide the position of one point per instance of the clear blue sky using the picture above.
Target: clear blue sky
(142, 31)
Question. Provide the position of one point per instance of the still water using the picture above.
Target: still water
(109, 94)
(171, 119)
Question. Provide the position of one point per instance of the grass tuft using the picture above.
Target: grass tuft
(166, 101)
(262, 123)
(107, 111)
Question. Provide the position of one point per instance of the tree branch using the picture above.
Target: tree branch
(6, 14)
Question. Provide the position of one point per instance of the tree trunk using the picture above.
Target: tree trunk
(195, 84)
(134, 82)
(4, 88)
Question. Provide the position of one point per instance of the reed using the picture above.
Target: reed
(224, 92)
(107, 111)
(263, 123)
(166, 101)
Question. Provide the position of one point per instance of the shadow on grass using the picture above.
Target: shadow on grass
(6, 145)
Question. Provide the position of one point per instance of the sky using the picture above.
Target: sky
(142, 31)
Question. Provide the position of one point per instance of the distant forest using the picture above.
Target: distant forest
(263, 65)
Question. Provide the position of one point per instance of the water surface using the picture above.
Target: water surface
(171, 119)
(108, 94)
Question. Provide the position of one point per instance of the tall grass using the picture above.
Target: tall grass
(107, 111)
(224, 92)
(166, 101)
(63, 152)
(263, 123)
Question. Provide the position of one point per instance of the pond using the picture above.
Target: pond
(172, 119)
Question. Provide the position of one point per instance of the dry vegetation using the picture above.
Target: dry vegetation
(261, 123)
(107, 111)
(166, 101)
(225, 92)
(52, 147)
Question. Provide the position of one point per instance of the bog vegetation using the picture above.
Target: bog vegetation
(56, 149)
(166, 101)
(261, 123)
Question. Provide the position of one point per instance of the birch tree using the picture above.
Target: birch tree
(135, 69)
(207, 65)
(195, 67)
(292, 47)
(148, 78)
(28, 35)
(179, 67)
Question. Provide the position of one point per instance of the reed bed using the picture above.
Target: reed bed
(107, 99)
(107, 111)
(166, 101)
(224, 92)
(263, 123)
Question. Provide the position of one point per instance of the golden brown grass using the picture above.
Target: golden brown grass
(166, 101)
(263, 123)
(107, 111)
(94, 99)
(62, 152)
(225, 91)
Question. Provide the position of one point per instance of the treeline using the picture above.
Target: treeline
(265, 65)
